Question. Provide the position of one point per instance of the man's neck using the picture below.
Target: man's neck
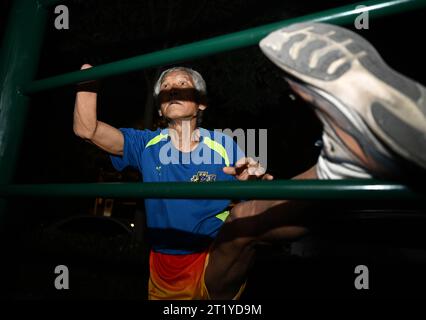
(184, 134)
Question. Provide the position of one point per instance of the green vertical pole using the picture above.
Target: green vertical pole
(18, 65)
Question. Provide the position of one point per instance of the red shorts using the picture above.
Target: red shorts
(179, 277)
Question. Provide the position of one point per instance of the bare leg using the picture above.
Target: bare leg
(251, 222)
(374, 126)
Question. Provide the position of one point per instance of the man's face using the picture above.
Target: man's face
(178, 96)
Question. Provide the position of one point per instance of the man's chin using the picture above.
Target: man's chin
(178, 116)
(174, 110)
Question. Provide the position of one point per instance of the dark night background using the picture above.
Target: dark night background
(107, 257)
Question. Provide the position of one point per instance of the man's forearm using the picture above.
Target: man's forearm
(85, 118)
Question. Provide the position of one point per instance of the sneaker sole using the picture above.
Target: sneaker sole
(342, 64)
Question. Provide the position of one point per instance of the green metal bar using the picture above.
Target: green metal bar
(341, 15)
(18, 65)
(280, 189)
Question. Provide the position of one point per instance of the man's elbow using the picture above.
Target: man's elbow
(83, 133)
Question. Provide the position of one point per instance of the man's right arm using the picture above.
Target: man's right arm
(88, 127)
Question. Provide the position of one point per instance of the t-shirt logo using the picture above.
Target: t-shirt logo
(203, 176)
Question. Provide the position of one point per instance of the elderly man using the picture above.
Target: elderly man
(181, 231)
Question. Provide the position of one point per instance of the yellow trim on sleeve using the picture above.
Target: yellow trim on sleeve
(156, 140)
(215, 146)
(223, 215)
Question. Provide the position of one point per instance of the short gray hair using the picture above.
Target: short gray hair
(199, 83)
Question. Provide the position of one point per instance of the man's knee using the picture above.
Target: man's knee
(240, 227)
(241, 210)
(252, 220)
(249, 220)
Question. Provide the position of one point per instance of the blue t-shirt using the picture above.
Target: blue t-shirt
(180, 226)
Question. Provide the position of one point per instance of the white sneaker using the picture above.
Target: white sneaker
(374, 118)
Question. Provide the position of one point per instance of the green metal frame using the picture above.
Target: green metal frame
(280, 189)
(228, 42)
(18, 64)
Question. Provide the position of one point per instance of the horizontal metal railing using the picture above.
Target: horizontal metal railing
(279, 189)
(341, 15)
